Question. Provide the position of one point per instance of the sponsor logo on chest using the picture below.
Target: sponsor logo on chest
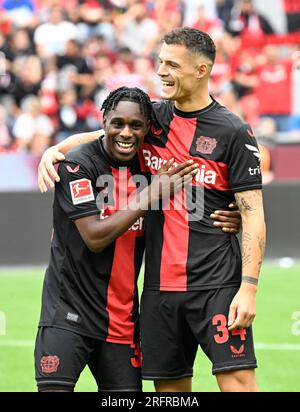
(205, 175)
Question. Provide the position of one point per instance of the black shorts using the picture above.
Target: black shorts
(61, 355)
(173, 324)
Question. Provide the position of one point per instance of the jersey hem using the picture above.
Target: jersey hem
(167, 288)
(89, 335)
(250, 365)
(246, 187)
(164, 376)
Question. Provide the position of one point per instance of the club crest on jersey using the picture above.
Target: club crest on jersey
(206, 145)
(49, 364)
(81, 191)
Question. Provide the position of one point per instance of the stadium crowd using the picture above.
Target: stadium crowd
(59, 60)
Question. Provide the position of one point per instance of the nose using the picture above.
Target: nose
(162, 70)
(126, 132)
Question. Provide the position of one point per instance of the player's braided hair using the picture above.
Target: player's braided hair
(130, 94)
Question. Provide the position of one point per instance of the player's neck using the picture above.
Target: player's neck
(194, 104)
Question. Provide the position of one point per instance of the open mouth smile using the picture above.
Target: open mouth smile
(125, 147)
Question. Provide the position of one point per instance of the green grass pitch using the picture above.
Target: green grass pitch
(276, 333)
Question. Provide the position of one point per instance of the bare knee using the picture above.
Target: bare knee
(173, 385)
(238, 381)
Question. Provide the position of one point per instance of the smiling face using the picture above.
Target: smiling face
(181, 72)
(125, 128)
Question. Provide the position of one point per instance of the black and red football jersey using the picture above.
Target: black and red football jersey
(183, 252)
(94, 294)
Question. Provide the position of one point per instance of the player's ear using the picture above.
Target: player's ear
(104, 123)
(202, 70)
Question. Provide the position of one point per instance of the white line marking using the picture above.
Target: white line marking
(277, 346)
(16, 343)
(259, 346)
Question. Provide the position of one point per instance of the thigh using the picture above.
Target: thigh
(116, 367)
(227, 350)
(168, 345)
(60, 357)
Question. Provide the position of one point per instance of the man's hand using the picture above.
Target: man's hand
(174, 179)
(55, 154)
(169, 181)
(228, 220)
(242, 310)
(46, 171)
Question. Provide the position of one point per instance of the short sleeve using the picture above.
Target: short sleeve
(244, 161)
(76, 193)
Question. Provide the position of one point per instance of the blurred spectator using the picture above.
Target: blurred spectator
(137, 31)
(126, 56)
(246, 21)
(211, 25)
(292, 10)
(18, 44)
(245, 82)
(68, 120)
(191, 7)
(224, 8)
(228, 98)
(51, 37)
(94, 21)
(32, 129)
(73, 69)
(28, 72)
(274, 87)
(266, 128)
(222, 73)
(6, 74)
(5, 135)
(20, 12)
(149, 82)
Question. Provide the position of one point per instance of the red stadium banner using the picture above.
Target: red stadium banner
(248, 41)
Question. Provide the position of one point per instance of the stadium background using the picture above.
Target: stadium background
(58, 61)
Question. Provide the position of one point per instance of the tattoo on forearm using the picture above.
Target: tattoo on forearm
(250, 279)
(246, 249)
(262, 245)
(245, 205)
(248, 201)
(246, 237)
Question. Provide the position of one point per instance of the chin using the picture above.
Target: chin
(167, 96)
(124, 159)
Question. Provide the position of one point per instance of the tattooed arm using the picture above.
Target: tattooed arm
(242, 308)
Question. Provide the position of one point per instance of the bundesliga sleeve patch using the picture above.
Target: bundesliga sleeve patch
(81, 191)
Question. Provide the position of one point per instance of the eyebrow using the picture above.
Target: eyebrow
(121, 119)
(169, 61)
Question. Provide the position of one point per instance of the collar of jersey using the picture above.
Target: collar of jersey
(196, 112)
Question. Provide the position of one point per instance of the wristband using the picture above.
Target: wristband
(250, 279)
